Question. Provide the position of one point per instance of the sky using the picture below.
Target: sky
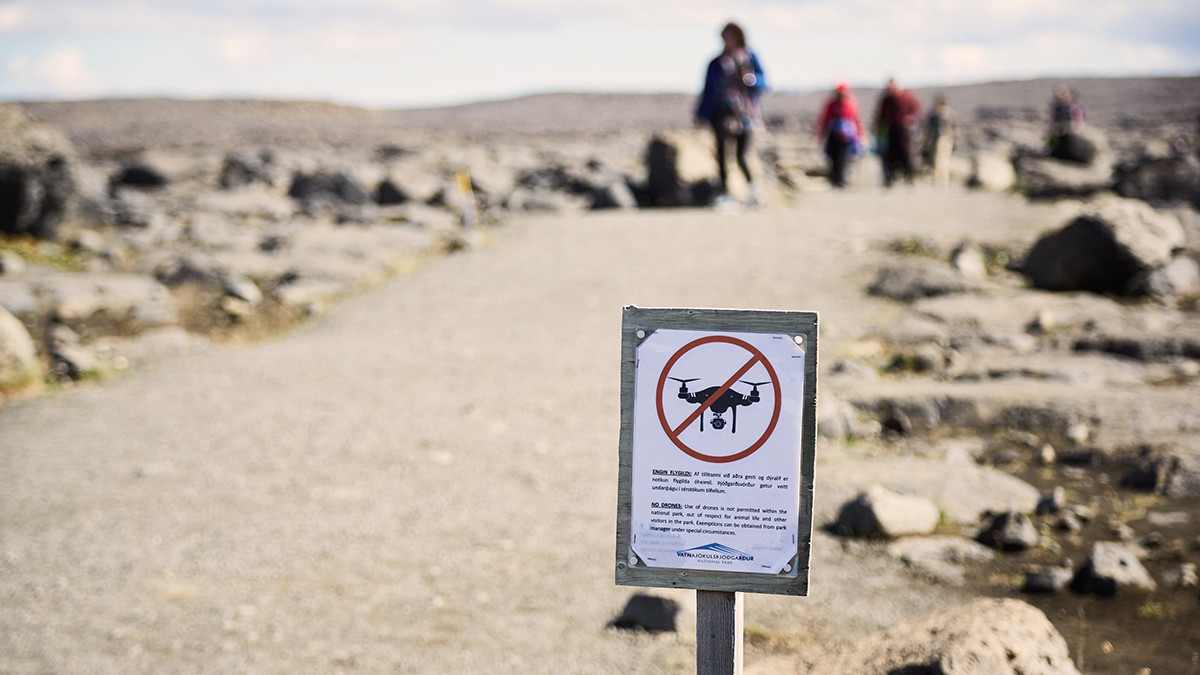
(415, 53)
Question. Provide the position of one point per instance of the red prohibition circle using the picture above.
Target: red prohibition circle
(674, 435)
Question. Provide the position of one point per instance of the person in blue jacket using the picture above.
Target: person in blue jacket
(729, 103)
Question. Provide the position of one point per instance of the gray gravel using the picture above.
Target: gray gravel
(424, 479)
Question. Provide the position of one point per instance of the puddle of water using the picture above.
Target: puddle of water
(1136, 629)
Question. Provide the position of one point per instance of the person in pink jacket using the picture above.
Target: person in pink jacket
(840, 131)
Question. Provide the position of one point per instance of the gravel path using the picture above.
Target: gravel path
(423, 480)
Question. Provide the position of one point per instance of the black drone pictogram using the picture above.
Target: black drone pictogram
(728, 400)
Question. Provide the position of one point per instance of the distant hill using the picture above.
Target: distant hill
(111, 125)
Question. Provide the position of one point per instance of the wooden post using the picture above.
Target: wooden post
(718, 633)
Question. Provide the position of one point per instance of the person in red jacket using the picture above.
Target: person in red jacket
(897, 117)
(840, 131)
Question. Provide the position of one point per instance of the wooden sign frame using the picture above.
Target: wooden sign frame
(638, 324)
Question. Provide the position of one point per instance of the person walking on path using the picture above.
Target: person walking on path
(941, 132)
(895, 120)
(840, 131)
(729, 103)
(1067, 119)
(1066, 114)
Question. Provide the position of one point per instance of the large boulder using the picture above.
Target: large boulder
(140, 175)
(918, 278)
(240, 169)
(679, 171)
(1050, 178)
(1171, 469)
(879, 512)
(19, 365)
(650, 613)
(1110, 567)
(943, 558)
(1160, 180)
(992, 171)
(1079, 165)
(1177, 280)
(1076, 147)
(1104, 249)
(37, 175)
(327, 186)
(984, 637)
(614, 192)
(387, 193)
(962, 490)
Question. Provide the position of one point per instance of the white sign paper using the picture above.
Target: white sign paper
(716, 451)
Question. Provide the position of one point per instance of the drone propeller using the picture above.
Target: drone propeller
(681, 381)
(755, 384)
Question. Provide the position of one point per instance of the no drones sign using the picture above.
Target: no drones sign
(717, 440)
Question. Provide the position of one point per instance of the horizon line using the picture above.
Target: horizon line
(518, 96)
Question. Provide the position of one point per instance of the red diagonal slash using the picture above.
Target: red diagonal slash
(713, 399)
(674, 433)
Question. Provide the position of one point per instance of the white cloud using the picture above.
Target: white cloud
(353, 40)
(65, 70)
(244, 48)
(11, 16)
(488, 47)
(19, 65)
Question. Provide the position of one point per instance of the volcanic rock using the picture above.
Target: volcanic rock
(11, 265)
(1171, 469)
(915, 279)
(1178, 279)
(333, 187)
(1047, 579)
(141, 176)
(648, 612)
(992, 171)
(1110, 567)
(942, 557)
(1076, 147)
(1009, 532)
(983, 637)
(1049, 178)
(37, 175)
(388, 194)
(1160, 180)
(881, 512)
(1103, 249)
(678, 171)
(240, 169)
(19, 364)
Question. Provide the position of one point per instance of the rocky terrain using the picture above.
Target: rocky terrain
(1009, 375)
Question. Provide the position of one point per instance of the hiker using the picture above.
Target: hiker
(1066, 121)
(895, 121)
(729, 104)
(940, 134)
(1066, 113)
(840, 131)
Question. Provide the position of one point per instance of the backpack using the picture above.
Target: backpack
(740, 107)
